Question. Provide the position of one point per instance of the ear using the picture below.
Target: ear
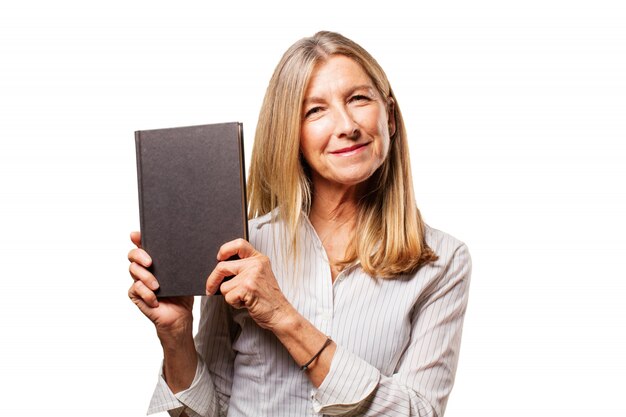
(391, 116)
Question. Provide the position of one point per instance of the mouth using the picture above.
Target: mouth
(350, 150)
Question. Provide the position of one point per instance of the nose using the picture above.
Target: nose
(345, 125)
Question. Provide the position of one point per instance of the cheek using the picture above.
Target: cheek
(373, 119)
(381, 129)
(313, 139)
(384, 145)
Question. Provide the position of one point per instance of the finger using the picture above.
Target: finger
(221, 271)
(239, 247)
(236, 298)
(139, 292)
(135, 237)
(228, 284)
(143, 307)
(140, 273)
(140, 256)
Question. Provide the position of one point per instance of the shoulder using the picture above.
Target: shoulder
(453, 254)
(264, 230)
(265, 223)
(260, 222)
(443, 243)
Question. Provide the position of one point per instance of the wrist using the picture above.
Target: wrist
(173, 336)
(307, 345)
(290, 322)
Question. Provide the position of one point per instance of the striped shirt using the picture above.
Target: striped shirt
(397, 339)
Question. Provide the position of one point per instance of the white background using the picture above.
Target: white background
(516, 111)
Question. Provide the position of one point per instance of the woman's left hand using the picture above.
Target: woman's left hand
(253, 286)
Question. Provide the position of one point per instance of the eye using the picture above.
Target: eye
(312, 111)
(359, 97)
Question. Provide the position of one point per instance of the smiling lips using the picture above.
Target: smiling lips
(349, 150)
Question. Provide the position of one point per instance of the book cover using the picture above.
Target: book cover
(192, 199)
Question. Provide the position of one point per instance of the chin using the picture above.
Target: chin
(351, 180)
(347, 176)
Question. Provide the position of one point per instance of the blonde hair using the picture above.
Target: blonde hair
(389, 229)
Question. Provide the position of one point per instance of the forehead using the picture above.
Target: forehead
(337, 72)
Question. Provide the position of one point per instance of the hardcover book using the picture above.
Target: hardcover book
(192, 199)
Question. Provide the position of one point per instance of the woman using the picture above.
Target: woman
(343, 302)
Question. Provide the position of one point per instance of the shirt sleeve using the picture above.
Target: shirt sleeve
(425, 373)
(209, 392)
(197, 400)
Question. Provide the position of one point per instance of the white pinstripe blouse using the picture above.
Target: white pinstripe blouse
(397, 339)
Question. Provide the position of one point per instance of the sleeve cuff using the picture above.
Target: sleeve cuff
(349, 382)
(200, 399)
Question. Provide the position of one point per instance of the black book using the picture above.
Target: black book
(192, 199)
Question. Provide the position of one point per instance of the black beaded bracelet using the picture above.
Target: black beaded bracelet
(306, 365)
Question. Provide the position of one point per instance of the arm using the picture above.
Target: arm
(209, 391)
(346, 384)
(185, 386)
(255, 288)
(425, 374)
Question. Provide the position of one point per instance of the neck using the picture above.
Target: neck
(334, 204)
(333, 215)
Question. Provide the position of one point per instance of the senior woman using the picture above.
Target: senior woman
(343, 302)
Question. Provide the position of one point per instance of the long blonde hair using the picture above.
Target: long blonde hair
(389, 232)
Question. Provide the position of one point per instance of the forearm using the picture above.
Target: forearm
(354, 384)
(303, 340)
(176, 394)
(423, 378)
(355, 387)
(196, 374)
(179, 359)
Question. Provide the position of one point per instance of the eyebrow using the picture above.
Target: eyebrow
(315, 99)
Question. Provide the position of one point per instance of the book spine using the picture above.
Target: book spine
(140, 186)
(242, 173)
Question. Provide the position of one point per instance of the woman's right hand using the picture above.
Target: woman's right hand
(172, 315)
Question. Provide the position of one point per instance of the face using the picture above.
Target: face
(345, 124)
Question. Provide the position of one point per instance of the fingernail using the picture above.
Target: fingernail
(154, 285)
